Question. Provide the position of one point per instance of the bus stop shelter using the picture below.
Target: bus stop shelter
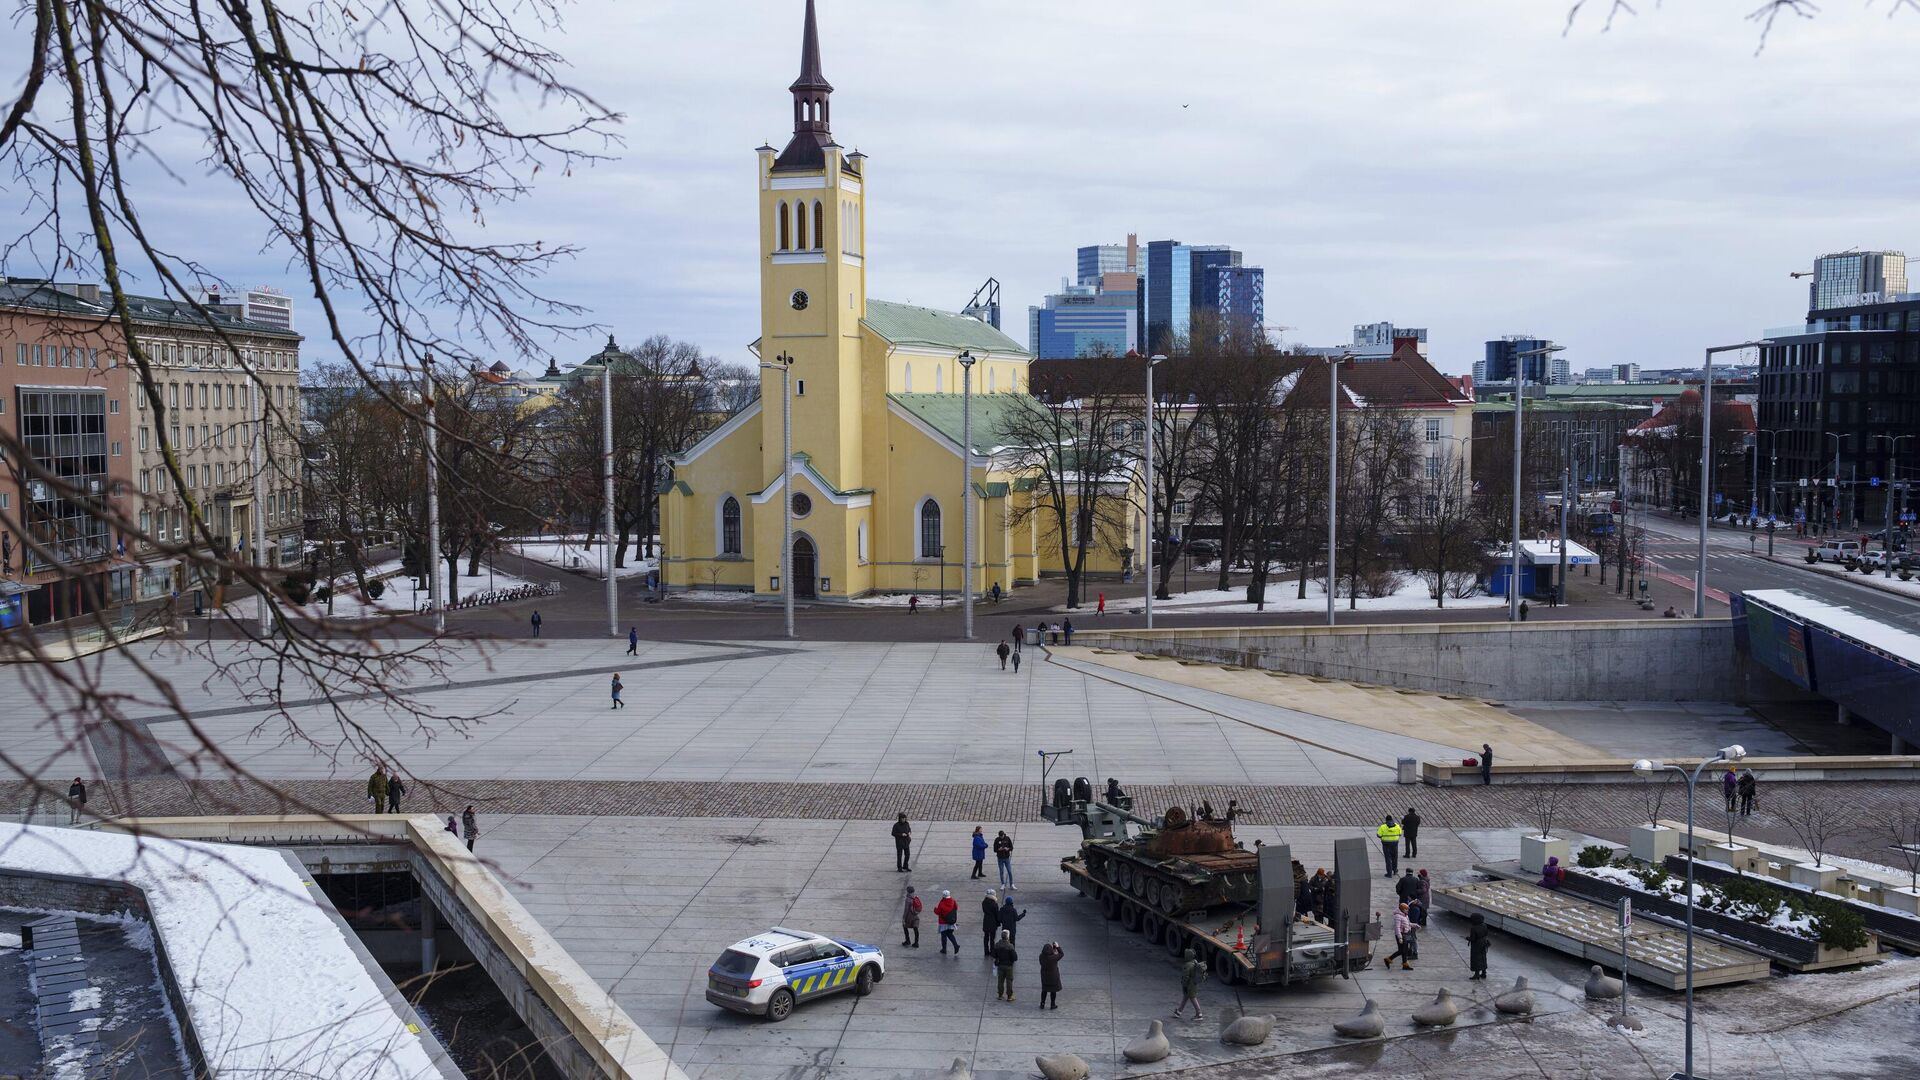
(1539, 566)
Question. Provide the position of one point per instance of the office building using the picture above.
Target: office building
(1098, 260)
(1239, 296)
(261, 307)
(1081, 321)
(1184, 280)
(1852, 278)
(1505, 356)
(1373, 341)
(1839, 423)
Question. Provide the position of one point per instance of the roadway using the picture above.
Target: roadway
(1734, 565)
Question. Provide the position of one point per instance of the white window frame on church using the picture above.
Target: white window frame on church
(923, 550)
(860, 542)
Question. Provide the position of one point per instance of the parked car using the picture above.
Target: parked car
(1835, 551)
(769, 973)
(1876, 560)
(1203, 550)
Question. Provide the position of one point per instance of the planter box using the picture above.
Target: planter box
(1902, 899)
(1651, 844)
(1536, 850)
(1887, 922)
(1739, 856)
(1821, 878)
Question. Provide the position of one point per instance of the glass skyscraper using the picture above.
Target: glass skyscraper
(1503, 359)
(1183, 280)
(1851, 278)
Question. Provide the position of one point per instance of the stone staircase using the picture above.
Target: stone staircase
(67, 1007)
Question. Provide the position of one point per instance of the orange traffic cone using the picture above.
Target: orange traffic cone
(1240, 939)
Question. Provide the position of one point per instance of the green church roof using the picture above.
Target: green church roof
(905, 324)
(993, 414)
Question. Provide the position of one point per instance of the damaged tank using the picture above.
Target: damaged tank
(1186, 860)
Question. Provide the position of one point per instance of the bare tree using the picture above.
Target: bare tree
(1814, 819)
(1905, 827)
(1653, 795)
(365, 146)
(1764, 16)
(1540, 803)
(1079, 445)
(1441, 541)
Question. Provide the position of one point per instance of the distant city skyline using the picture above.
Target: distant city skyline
(1640, 193)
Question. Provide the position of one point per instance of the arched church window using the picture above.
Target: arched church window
(939, 380)
(907, 372)
(818, 227)
(730, 526)
(989, 380)
(800, 223)
(929, 529)
(785, 227)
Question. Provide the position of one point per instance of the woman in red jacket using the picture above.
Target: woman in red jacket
(946, 914)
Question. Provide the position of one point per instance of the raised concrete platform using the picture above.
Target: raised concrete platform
(1656, 953)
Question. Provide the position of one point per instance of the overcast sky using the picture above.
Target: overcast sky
(1636, 195)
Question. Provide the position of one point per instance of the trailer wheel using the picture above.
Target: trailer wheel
(1225, 968)
(1130, 916)
(1175, 942)
(1110, 906)
(1153, 928)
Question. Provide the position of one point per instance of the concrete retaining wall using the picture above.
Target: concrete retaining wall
(1632, 660)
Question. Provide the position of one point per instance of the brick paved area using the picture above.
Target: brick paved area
(1601, 810)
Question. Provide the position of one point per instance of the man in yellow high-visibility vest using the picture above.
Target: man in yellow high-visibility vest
(1389, 834)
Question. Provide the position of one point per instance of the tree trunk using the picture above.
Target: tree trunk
(452, 559)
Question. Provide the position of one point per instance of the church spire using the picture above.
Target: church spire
(811, 91)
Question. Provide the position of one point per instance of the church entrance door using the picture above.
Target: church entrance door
(805, 574)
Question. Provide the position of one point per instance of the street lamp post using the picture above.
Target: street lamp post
(966, 494)
(1646, 767)
(606, 359)
(1706, 468)
(1893, 476)
(436, 596)
(1333, 477)
(1519, 412)
(1153, 560)
(784, 365)
(1835, 487)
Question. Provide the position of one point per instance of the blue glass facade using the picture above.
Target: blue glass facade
(1183, 280)
(1240, 295)
(1097, 259)
(1504, 355)
(1071, 326)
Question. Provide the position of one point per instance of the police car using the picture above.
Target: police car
(768, 974)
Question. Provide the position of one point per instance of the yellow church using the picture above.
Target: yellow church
(877, 494)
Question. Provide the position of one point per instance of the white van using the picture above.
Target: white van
(1837, 550)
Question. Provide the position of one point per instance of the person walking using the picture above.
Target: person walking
(1478, 938)
(1010, 919)
(1486, 764)
(377, 788)
(633, 641)
(913, 605)
(1019, 638)
(1004, 957)
(1729, 789)
(1192, 974)
(536, 623)
(946, 916)
(76, 800)
(1389, 835)
(1410, 825)
(1523, 611)
(1050, 955)
(1003, 652)
(469, 825)
(979, 852)
(1003, 854)
(1066, 632)
(902, 844)
(395, 789)
(1403, 932)
(996, 592)
(1016, 662)
(617, 703)
(1426, 893)
(1748, 782)
(910, 921)
(989, 922)
(1100, 608)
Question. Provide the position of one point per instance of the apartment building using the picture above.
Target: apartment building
(68, 384)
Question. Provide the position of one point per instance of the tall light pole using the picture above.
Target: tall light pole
(966, 493)
(1519, 411)
(1706, 469)
(1836, 474)
(784, 365)
(1645, 767)
(257, 536)
(1893, 480)
(436, 596)
(1773, 463)
(607, 358)
(1153, 561)
(1333, 476)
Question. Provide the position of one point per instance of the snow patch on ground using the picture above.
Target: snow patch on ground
(572, 553)
(9, 941)
(1283, 596)
(87, 998)
(272, 987)
(399, 598)
(712, 596)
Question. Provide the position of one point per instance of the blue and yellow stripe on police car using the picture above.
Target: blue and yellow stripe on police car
(825, 980)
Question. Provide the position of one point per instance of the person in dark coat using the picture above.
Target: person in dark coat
(452, 827)
(1748, 783)
(1010, 920)
(1066, 631)
(1050, 955)
(1003, 854)
(1729, 788)
(1486, 763)
(902, 844)
(989, 921)
(1004, 957)
(76, 800)
(395, 789)
(1003, 652)
(910, 920)
(1478, 937)
(1410, 825)
(470, 825)
(979, 852)
(1407, 888)
(536, 624)
(633, 641)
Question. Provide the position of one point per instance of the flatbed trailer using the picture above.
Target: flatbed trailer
(1234, 939)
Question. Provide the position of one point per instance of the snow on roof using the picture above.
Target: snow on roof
(1546, 551)
(1869, 631)
(270, 984)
